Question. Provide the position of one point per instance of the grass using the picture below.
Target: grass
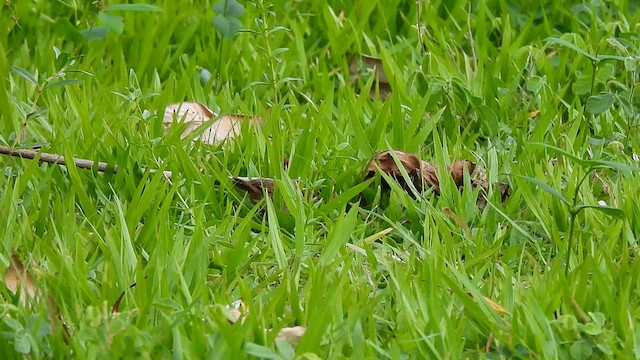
(368, 277)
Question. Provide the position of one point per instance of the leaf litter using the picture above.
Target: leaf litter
(424, 175)
(196, 115)
(362, 66)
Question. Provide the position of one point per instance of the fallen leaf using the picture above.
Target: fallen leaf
(189, 112)
(228, 127)
(363, 64)
(292, 335)
(255, 187)
(386, 163)
(422, 173)
(17, 278)
(480, 180)
(195, 115)
(376, 65)
(457, 168)
(236, 311)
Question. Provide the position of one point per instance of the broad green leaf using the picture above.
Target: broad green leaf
(630, 64)
(229, 8)
(113, 22)
(618, 45)
(95, 33)
(25, 74)
(610, 57)
(613, 165)
(546, 188)
(535, 84)
(556, 40)
(597, 104)
(611, 211)
(62, 83)
(132, 7)
(228, 27)
(260, 351)
(581, 349)
(582, 162)
(582, 85)
(22, 343)
(605, 72)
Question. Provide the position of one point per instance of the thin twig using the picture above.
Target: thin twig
(99, 165)
(60, 160)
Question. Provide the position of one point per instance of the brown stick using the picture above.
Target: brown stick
(60, 160)
(89, 164)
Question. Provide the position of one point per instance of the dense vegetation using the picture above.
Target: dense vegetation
(541, 95)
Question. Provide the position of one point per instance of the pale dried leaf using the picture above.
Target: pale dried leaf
(17, 278)
(235, 312)
(358, 62)
(292, 335)
(188, 112)
(195, 115)
(228, 127)
(457, 170)
(361, 64)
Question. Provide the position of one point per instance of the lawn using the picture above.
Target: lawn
(327, 223)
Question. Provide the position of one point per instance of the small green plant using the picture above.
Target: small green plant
(227, 23)
(571, 204)
(28, 338)
(588, 340)
(111, 22)
(135, 95)
(628, 48)
(266, 31)
(63, 64)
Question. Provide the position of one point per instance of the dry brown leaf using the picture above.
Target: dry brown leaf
(195, 114)
(360, 62)
(424, 174)
(430, 176)
(480, 180)
(387, 164)
(17, 278)
(375, 64)
(457, 168)
(292, 335)
(255, 187)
